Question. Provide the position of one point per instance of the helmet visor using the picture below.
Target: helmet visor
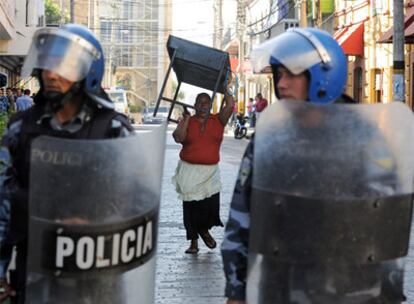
(291, 49)
(61, 52)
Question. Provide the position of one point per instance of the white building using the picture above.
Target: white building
(133, 35)
(19, 19)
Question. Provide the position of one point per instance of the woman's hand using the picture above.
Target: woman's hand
(227, 110)
(180, 133)
(6, 290)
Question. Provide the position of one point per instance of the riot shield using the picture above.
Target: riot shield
(93, 209)
(331, 203)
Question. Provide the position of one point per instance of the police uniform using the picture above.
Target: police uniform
(234, 248)
(89, 123)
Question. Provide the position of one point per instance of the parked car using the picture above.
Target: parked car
(148, 115)
(120, 100)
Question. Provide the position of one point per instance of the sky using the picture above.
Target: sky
(194, 20)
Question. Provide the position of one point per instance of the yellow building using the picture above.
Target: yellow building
(364, 30)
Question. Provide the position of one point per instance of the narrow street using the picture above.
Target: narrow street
(183, 278)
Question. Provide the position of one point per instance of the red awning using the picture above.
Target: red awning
(408, 28)
(234, 63)
(351, 39)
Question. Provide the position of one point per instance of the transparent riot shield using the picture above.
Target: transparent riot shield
(93, 209)
(331, 203)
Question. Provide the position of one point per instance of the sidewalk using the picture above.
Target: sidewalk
(182, 278)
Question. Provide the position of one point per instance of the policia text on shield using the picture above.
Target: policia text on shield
(77, 206)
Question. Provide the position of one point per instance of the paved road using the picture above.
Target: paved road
(183, 278)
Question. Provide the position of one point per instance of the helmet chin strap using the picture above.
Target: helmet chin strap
(57, 100)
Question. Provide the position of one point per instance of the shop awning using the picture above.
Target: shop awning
(12, 63)
(408, 29)
(351, 39)
(234, 63)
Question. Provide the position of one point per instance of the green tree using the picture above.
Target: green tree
(135, 108)
(181, 95)
(4, 118)
(53, 13)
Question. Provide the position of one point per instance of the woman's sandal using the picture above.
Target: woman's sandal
(192, 250)
(208, 240)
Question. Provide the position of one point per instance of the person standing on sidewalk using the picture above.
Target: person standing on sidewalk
(294, 80)
(11, 100)
(4, 104)
(197, 177)
(261, 104)
(24, 102)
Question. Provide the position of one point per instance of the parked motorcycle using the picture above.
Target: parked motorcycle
(240, 129)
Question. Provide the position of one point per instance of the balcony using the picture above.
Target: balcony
(7, 19)
(18, 22)
(282, 26)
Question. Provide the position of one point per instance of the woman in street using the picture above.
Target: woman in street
(197, 178)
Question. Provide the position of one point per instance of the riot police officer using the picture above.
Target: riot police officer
(307, 65)
(69, 65)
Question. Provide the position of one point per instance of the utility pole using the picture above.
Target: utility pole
(72, 11)
(398, 51)
(303, 8)
(62, 9)
(241, 27)
(317, 13)
(89, 14)
(218, 24)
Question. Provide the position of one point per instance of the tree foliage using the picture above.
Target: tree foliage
(181, 95)
(4, 118)
(53, 13)
(135, 107)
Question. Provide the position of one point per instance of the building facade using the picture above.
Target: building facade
(133, 35)
(263, 20)
(364, 30)
(19, 19)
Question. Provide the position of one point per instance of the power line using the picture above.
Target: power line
(271, 12)
(276, 23)
(165, 4)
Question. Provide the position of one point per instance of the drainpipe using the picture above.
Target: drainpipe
(398, 51)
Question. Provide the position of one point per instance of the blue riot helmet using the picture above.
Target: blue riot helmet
(307, 50)
(74, 53)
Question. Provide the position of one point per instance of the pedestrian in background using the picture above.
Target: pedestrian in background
(250, 112)
(19, 93)
(197, 177)
(4, 104)
(11, 100)
(261, 102)
(234, 115)
(24, 102)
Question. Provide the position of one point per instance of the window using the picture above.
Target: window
(358, 84)
(106, 29)
(378, 85)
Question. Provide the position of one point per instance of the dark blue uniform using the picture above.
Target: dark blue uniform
(235, 245)
(89, 123)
